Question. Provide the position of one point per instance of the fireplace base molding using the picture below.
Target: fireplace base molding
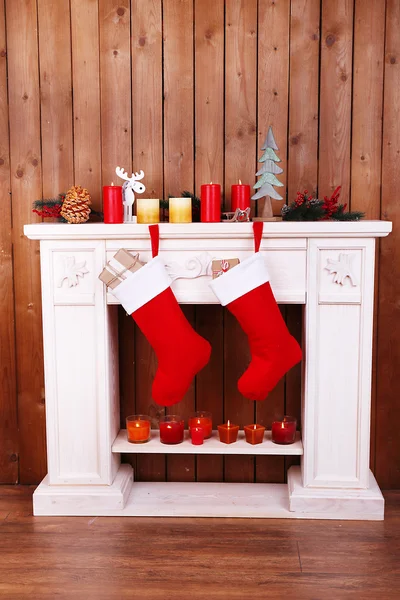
(327, 267)
(245, 500)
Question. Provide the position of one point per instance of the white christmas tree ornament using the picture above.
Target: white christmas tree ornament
(268, 180)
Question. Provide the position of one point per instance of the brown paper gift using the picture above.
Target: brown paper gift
(117, 269)
(221, 266)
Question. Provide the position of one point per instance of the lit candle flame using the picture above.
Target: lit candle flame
(283, 425)
(255, 427)
(240, 182)
(228, 423)
(210, 182)
(112, 183)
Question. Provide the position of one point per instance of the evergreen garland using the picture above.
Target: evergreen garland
(307, 208)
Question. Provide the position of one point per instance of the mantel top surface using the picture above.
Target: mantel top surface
(62, 231)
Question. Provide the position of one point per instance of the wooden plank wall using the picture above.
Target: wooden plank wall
(185, 90)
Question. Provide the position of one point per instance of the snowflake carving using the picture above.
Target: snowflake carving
(342, 268)
(72, 271)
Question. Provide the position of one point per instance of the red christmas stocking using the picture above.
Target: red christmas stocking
(246, 292)
(181, 353)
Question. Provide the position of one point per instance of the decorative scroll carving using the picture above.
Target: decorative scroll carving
(342, 268)
(197, 266)
(71, 271)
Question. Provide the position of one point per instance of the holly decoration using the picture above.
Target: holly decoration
(49, 208)
(307, 208)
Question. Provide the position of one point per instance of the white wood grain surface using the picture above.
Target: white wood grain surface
(210, 446)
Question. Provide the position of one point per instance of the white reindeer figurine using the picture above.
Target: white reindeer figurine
(130, 186)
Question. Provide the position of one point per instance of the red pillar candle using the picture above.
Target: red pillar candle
(210, 203)
(240, 196)
(171, 429)
(112, 204)
(254, 433)
(228, 433)
(197, 434)
(284, 432)
(201, 419)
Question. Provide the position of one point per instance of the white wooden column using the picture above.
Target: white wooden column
(81, 372)
(337, 380)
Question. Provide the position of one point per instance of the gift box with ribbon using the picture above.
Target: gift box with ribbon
(221, 266)
(119, 268)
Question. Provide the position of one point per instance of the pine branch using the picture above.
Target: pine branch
(49, 208)
(341, 215)
(308, 211)
(305, 208)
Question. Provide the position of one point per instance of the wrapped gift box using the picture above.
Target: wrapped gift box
(221, 266)
(121, 266)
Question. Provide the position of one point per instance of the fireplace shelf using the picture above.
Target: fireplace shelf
(210, 446)
(326, 266)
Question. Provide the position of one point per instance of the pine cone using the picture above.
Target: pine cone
(75, 208)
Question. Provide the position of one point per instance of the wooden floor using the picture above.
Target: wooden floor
(115, 558)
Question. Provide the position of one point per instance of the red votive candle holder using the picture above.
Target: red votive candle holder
(138, 429)
(284, 432)
(203, 419)
(210, 203)
(113, 208)
(197, 434)
(254, 433)
(228, 432)
(171, 429)
(240, 196)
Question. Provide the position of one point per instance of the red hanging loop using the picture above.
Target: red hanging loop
(155, 239)
(257, 231)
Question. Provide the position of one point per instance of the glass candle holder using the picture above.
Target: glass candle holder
(148, 210)
(171, 429)
(203, 419)
(284, 432)
(138, 429)
(254, 433)
(228, 433)
(180, 210)
(197, 435)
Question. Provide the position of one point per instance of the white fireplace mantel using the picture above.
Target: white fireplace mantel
(326, 266)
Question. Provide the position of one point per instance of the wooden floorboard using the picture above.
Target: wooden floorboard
(159, 558)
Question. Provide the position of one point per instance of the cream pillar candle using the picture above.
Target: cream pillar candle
(180, 210)
(148, 210)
